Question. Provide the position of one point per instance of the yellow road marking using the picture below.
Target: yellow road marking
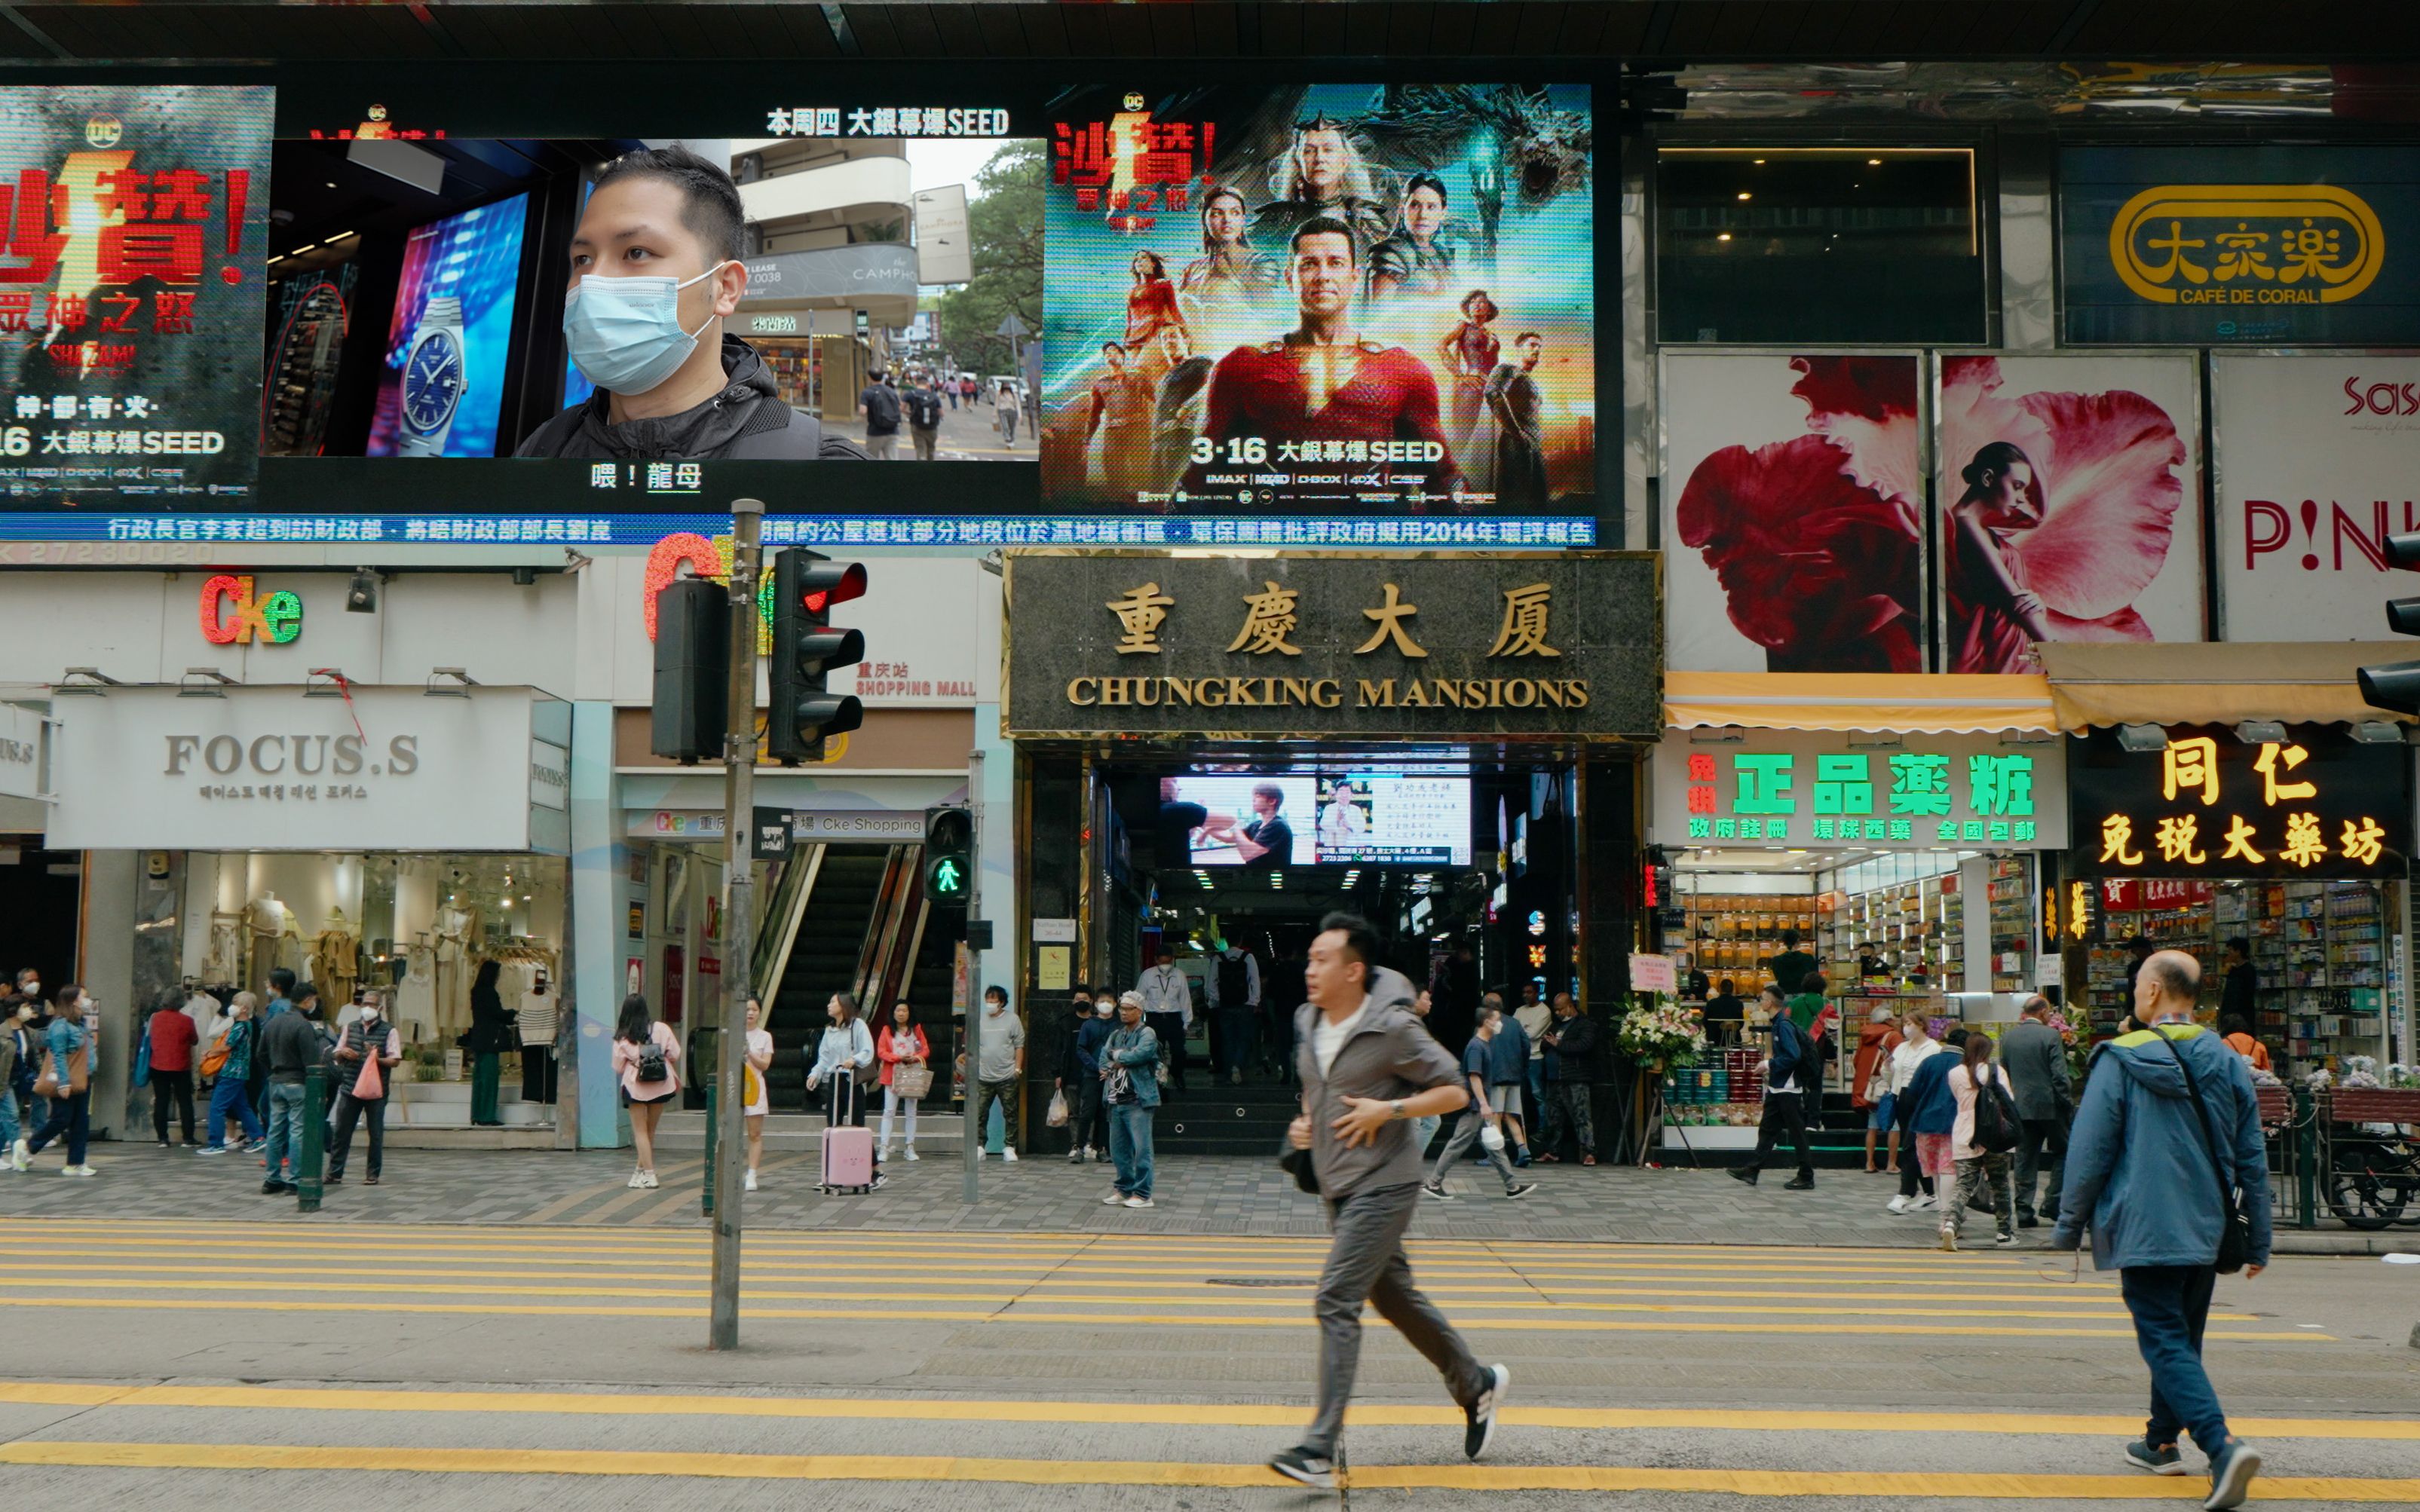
(1180, 1415)
(1124, 1319)
(1224, 1299)
(938, 1468)
(1066, 1276)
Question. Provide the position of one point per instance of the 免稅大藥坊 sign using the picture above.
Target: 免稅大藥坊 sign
(2317, 804)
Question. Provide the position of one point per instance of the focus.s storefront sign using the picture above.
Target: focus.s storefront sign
(1811, 788)
(2317, 804)
(278, 768)
(1144, 643)
(2275, 245)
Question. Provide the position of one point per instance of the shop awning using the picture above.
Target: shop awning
(2298, 682)
(1913, 704)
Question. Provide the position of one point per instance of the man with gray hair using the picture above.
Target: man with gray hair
(2167, 1167)
(2035, 1059)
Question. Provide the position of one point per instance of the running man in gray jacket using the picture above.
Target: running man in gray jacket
(1368, 1070)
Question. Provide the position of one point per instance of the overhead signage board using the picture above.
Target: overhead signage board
(1122, 644)
(1811, 789)
(2317, 804)
(2287, 244)
(283, 769)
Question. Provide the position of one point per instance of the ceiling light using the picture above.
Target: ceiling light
(2377, 733)
(1873, 163)
(1724, 237)
(1758, 162)
(1745, 194)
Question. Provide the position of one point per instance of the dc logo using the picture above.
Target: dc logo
(103, 130)
(1134, 100)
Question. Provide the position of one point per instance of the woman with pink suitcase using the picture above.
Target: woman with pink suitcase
(844, 1069)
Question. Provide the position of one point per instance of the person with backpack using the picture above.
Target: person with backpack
(923, 406)
(1233, 987)
(1986, 1132)
(1786, 1067)
(646, 1061)
(228, 1064)
(2167, 1166)
(879, 404)
(366, 1055)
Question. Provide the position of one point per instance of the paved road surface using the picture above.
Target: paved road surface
(343, 1365)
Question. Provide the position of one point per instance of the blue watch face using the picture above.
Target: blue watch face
(432, 381)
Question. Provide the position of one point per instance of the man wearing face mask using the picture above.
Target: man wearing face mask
(367, 1036)
(1089, 1126)
(655, 270)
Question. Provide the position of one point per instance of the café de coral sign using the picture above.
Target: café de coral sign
(2247, 245)
(1330, 641)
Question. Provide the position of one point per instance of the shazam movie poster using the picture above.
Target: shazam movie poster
(1334, 297)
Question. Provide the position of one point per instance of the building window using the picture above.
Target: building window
(1818, 245)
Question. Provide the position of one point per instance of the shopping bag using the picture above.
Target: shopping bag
(142, 1060)
(910, 1083)
(1058, 1116)
(369, 1086)
(751, 1086)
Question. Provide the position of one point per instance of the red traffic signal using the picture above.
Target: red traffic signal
(822, 584)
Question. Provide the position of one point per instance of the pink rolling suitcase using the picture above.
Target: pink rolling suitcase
(848, 1150)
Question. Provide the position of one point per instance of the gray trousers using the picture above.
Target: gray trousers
(1366, 1263)
(1463, 1132)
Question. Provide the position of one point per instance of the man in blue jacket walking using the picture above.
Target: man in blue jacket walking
(1789, 1069)
(2149, 1165)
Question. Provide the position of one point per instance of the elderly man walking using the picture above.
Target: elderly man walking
(2166, 1154)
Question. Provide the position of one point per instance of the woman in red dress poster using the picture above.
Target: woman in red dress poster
(1994, 618)
(1150, 314)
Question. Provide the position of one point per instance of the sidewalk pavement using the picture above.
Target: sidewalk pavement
(1196, 1195)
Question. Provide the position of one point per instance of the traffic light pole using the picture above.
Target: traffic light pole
(975, 1136)
(730, 1106)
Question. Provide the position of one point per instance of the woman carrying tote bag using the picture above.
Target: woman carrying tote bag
(907, 1074)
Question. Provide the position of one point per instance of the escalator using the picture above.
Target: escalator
(839, 913)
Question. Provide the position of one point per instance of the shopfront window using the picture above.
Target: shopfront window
(1819, 244)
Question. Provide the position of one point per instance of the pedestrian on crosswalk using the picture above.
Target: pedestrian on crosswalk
(1984, 1170)
(2167, 1166)
(1483, 1105)
(1789, 1068)
(1368, 1068)
(1912, 1051)
(1931, 1110)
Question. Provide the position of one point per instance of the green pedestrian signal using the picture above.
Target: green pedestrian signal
(949, 855)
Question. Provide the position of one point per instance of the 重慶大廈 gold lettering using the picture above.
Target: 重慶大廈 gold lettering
(1277, 692)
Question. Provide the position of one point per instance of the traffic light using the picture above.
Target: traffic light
(949, 855)
(805, 647)
(692, 688)
(2395, 684)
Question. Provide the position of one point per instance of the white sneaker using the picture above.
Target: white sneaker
(638, 1180)
(882, 1154)
(1008, 1155)
(1928, 1200)
(749, 1184)
(79, 1170)
(1139, 1202)
(911, 1153)
(1116, 1199)
(650, 1180)
(19, 1156)
(1897, 1204)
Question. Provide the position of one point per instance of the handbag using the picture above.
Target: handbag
(216, 1060)
(1056, 1117)
(651, 1065)
(910, 1084)
(2235, 1227)
(369, 1086)
(751, 1086)
(142, 1062)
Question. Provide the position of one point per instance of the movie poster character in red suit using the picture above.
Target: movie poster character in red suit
(1324, 384)
(1122, 417)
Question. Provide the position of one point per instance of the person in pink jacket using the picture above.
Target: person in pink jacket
(646, 1057)
(901, 1043)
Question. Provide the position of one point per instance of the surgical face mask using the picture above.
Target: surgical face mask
(625, 333)
(1106, 1007)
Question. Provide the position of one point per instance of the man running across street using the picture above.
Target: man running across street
(1368, 1070)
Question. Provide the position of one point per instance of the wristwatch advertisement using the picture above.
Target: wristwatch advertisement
(433, 379)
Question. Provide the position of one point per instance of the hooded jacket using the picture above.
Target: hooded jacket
(2137, 1169)
(1389, 1055)
(1928, 1106)
(747, 421)
(1793, 1056)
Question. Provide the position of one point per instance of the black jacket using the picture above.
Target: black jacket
(748, 421)
(491, 1027)
(1573, 1056)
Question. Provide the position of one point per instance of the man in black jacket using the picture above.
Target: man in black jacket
(670, 381)
(291, 1044)
(1788, 1069)
(1569, 1067)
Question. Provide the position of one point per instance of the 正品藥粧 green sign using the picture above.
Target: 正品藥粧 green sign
(1801, 788)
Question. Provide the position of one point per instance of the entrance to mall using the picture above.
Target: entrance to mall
(1465, 872)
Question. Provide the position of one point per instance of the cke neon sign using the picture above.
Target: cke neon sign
(235, 614)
